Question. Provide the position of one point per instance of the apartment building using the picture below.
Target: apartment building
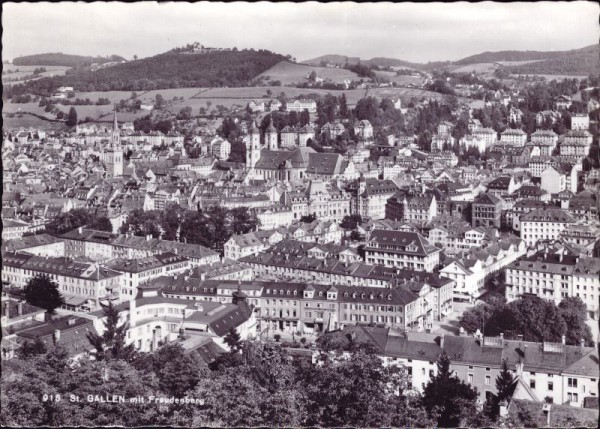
(401, 249)
(544, 224)
(554, 276)
(82, 284)
(513, 137)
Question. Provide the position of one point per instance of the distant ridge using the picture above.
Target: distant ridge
(60, 59)
(576, 61)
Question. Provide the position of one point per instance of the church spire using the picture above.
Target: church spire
(115, 122)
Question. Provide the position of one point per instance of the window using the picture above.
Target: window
(572, 382)
(488, 379)
(471, 378)
(532, 384)
(550, 385)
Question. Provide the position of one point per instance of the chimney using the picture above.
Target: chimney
(581, 344)
(442, 342)
(72, 321)
(502, 336)
(56, 335)
(20, 308)
(80, 230)
(148, 237)
(564, 340)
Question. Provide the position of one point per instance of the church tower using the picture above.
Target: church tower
(116, 134)
(271, 136)
(252, 147)
(115, 152)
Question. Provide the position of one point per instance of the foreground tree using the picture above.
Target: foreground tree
(32, 348)
(43, 292)
(111, 344)
(452, 398)
(71, 118)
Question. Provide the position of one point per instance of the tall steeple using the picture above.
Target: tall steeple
(116, 134)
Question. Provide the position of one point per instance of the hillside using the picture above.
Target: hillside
(288, 73)
(168, 70)
(333, 59)
(60, 59)
(584, 61)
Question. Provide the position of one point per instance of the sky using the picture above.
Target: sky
(408, 31)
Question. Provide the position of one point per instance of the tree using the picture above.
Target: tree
(350, 222)
(452, 398)
(111, 344)
(574, 312)
(71, 117)
(177, 371)
(101, 223)
(159, 101)
(233, 340)
(308, 218)
(43, 292)
(142, 223)
(68, 221)
(242, 221)
(304, 118)
(32, 348)
(505, 383)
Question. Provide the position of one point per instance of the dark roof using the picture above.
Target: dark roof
(401, 240)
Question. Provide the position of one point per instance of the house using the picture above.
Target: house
(559, 178)
(562, 102)
(502, 186)
(363, 130)
(256, 106)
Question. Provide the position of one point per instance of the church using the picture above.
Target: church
(271, 164)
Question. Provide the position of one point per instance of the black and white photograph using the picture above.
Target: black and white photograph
(296, 215)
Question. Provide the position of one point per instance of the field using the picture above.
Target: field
(30, 121)
(28, 70)
(401, 79)
(198, 98)
(477, 68)
(289, 73)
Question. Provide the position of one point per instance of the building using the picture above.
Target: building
(401, 249)
(154, 319)
(562, 102)
(419, 209)
(555, 276)
(580, 121)
(301, 105)
(565, 374)
(560, 178)
(142, 270)
(502, 186)
(514, 137)
(486, 211)
(364, 130)
(220, 148)
(544, 224)
(487, 134)
(371, 197)
(82, 284)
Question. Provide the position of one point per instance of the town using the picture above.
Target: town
(438, 236)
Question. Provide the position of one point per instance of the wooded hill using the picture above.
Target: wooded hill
(169, 70)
